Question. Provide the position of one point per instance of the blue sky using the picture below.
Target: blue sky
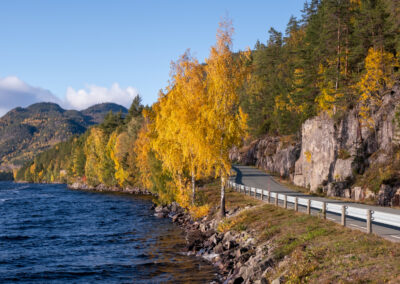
(84, 47)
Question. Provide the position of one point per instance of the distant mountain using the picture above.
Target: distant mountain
(24, 132)
(97, 112)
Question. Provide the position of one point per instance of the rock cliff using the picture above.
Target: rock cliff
(273, 154)
(340, 157)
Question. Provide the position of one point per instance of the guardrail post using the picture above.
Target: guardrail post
(369, 223)
(344, 216)
(276, 199)
(269, 196)
(308, 206)
(285, 201)
(324, 210)
(296, 204)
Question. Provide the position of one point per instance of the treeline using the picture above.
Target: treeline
(340, 55)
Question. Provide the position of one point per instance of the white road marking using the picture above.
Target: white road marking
(357, 226)
(396, 237)
(332, 219)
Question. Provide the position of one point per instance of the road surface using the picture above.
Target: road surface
(253, 177)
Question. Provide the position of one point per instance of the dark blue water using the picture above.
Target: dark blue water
(49, 234)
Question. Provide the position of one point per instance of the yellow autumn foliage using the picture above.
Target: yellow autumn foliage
(329, 95)
(379, 76)
(142, 150)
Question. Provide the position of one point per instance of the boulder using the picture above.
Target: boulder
(158, 209)
(194, 239)
(385, 195)
(396, 198)
(357, 193)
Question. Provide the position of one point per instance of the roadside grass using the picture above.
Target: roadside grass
(309, 249)
(211, 194)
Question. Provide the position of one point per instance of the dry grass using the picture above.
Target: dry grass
(318, 251)
(210, 193)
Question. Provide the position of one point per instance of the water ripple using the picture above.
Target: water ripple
(49, 234)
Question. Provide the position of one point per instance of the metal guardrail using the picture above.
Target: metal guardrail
(345, 211)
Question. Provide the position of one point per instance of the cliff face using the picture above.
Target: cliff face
(273, 154)
(333, 156)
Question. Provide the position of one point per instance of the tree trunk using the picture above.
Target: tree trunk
(222, 197)
(347, 52)
(193, 189)
(338, 49)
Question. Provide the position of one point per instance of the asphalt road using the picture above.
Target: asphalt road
(253, 177)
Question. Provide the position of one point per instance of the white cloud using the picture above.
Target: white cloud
(14, 93)
(92, 94)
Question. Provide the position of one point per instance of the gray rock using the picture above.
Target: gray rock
(269, 153)
(389, 195)
(219, 249)
(159, 209)
(278, 280)
(357, 193)
(317, 155)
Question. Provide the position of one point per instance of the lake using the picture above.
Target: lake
(50, 234)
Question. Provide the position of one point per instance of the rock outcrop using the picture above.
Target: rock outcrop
(331, 152)
(272, 154)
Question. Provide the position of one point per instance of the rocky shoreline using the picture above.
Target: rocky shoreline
(236, 255)
(104, 188)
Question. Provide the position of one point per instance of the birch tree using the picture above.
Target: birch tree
(226, 123)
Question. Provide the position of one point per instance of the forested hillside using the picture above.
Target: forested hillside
(340, 56)
(336, 57)
(24, 132)
(88, 156)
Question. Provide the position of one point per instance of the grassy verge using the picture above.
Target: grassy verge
(309, 249)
